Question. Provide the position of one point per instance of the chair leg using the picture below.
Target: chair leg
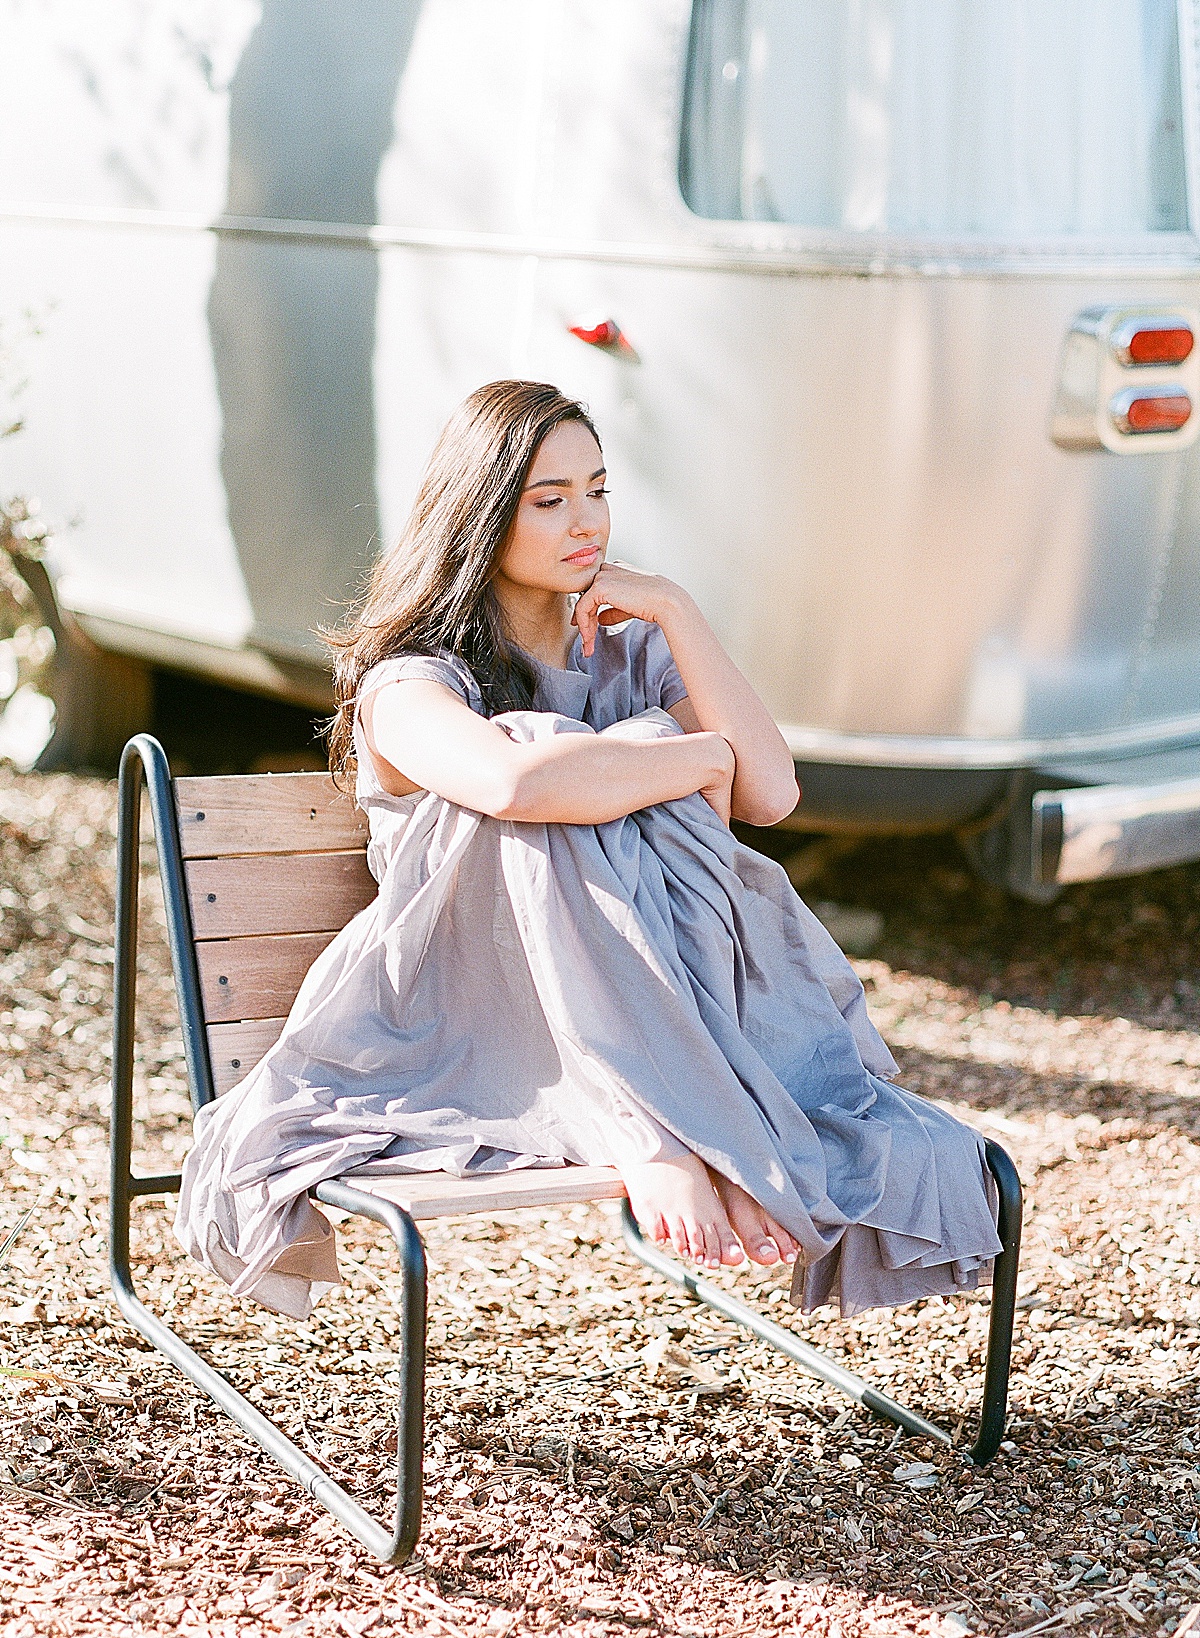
(392, 1547)
(410, 1427)
(1004, 1291)
(1004, 1306)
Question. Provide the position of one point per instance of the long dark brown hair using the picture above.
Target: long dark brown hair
(432, 592)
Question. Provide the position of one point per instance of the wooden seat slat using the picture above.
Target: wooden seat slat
(437, 1194)
(254, 978)
(234, 1049)
(266, 813)
(277, 893)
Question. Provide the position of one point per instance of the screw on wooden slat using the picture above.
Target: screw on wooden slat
(212, 898)
(199, 816)
(235, 1063)
(222, 979)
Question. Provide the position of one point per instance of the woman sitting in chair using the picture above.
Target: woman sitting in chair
(571, 957)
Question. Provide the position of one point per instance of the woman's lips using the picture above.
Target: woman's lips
(586, 554)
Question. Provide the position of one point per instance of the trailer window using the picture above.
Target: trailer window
(998, 118)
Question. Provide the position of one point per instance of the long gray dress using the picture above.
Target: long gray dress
(523, 994)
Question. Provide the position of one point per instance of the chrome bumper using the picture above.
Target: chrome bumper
(1114, 830)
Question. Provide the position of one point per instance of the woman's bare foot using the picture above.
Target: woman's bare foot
(675, 1202)
(765, 1241)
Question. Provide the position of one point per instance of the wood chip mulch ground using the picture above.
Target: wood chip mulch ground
(604, 1458)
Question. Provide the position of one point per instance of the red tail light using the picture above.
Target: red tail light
(1151, 409)
(1153, 341)
(605, 334)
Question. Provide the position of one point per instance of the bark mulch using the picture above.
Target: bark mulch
(603, 1458)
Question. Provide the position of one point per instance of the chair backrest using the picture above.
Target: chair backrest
(275, 866)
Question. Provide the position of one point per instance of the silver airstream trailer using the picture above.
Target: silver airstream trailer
(887, 310)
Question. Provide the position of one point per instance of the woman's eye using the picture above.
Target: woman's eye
(551, 500)
(595, 494)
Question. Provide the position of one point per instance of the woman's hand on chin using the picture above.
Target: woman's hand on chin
(619, 593)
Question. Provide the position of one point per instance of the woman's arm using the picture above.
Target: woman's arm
(422, 736)
(719, 699)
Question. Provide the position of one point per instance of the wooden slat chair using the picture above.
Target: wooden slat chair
(258, 874)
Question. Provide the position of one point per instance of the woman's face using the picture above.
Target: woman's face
(560, 533)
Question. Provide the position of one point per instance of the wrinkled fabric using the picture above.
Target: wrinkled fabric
(536, 994)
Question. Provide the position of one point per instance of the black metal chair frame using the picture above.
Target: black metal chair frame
(145, 761)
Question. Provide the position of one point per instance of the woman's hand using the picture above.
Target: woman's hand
(719, 699)
(620, 593)
(718, 793)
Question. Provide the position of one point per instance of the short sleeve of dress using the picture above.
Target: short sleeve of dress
(664, 686)
(423, 668)
(404, 668)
